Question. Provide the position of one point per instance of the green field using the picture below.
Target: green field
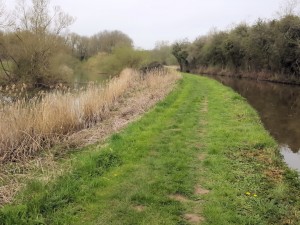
(201, 156)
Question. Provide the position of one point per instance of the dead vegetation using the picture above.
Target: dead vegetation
(29, 127)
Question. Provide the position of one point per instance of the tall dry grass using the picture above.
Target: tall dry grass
(28, 127)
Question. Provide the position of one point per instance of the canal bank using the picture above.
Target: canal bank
(279, 108)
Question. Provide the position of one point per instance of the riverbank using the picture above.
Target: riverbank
(200, 156)
(260, 76)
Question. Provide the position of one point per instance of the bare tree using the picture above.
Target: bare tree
(5, 20)
(38, 18)
(288, 8)
(72, 42)
(82, 47)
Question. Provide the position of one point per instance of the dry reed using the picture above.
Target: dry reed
(28, 127)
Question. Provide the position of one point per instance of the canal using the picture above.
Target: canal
(279, 108)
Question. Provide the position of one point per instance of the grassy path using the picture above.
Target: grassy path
(201, 157)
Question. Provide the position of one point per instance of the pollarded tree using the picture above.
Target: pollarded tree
(180, 51)
(37, 37)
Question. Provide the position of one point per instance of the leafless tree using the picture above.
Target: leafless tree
(288, 8)
(5, 19)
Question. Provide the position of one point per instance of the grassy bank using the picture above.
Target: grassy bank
(201, 156)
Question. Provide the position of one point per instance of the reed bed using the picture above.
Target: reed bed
(28, 127)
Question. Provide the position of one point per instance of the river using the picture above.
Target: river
(279, 108)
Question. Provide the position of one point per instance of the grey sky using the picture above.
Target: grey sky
(148, 21)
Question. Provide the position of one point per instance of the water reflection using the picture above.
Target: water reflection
(279, 109)
(291, 158)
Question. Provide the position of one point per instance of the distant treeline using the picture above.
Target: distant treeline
(37, 49)
(269, 49)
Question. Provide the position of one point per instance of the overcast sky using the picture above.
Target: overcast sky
(148, 21)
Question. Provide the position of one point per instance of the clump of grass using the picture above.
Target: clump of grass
(28, 127)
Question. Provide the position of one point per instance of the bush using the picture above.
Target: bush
(270, 47)
(123, 57)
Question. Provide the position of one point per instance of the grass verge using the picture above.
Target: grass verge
(201, 156)
(243, 168)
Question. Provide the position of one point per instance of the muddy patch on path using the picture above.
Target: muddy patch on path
(139, 208)
(201, 191)
(179, 198)
(201, 157)
(193, 218)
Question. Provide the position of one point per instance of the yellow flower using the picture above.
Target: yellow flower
(255, 195)
(248, 193)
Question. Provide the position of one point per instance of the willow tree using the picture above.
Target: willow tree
(37, 37)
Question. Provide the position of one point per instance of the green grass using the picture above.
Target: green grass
(201, 134)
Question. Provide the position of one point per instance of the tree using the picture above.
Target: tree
(5, 20)
(107, 41)
(196, 57)
(288, 8)
(180, 51)
(103, 42)
(123, 57)
(79, 46)
(233, 47)
(214, 49)
(163, 53)
(288, 44)
(37, 37)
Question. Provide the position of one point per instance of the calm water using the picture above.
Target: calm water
(279, 109)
